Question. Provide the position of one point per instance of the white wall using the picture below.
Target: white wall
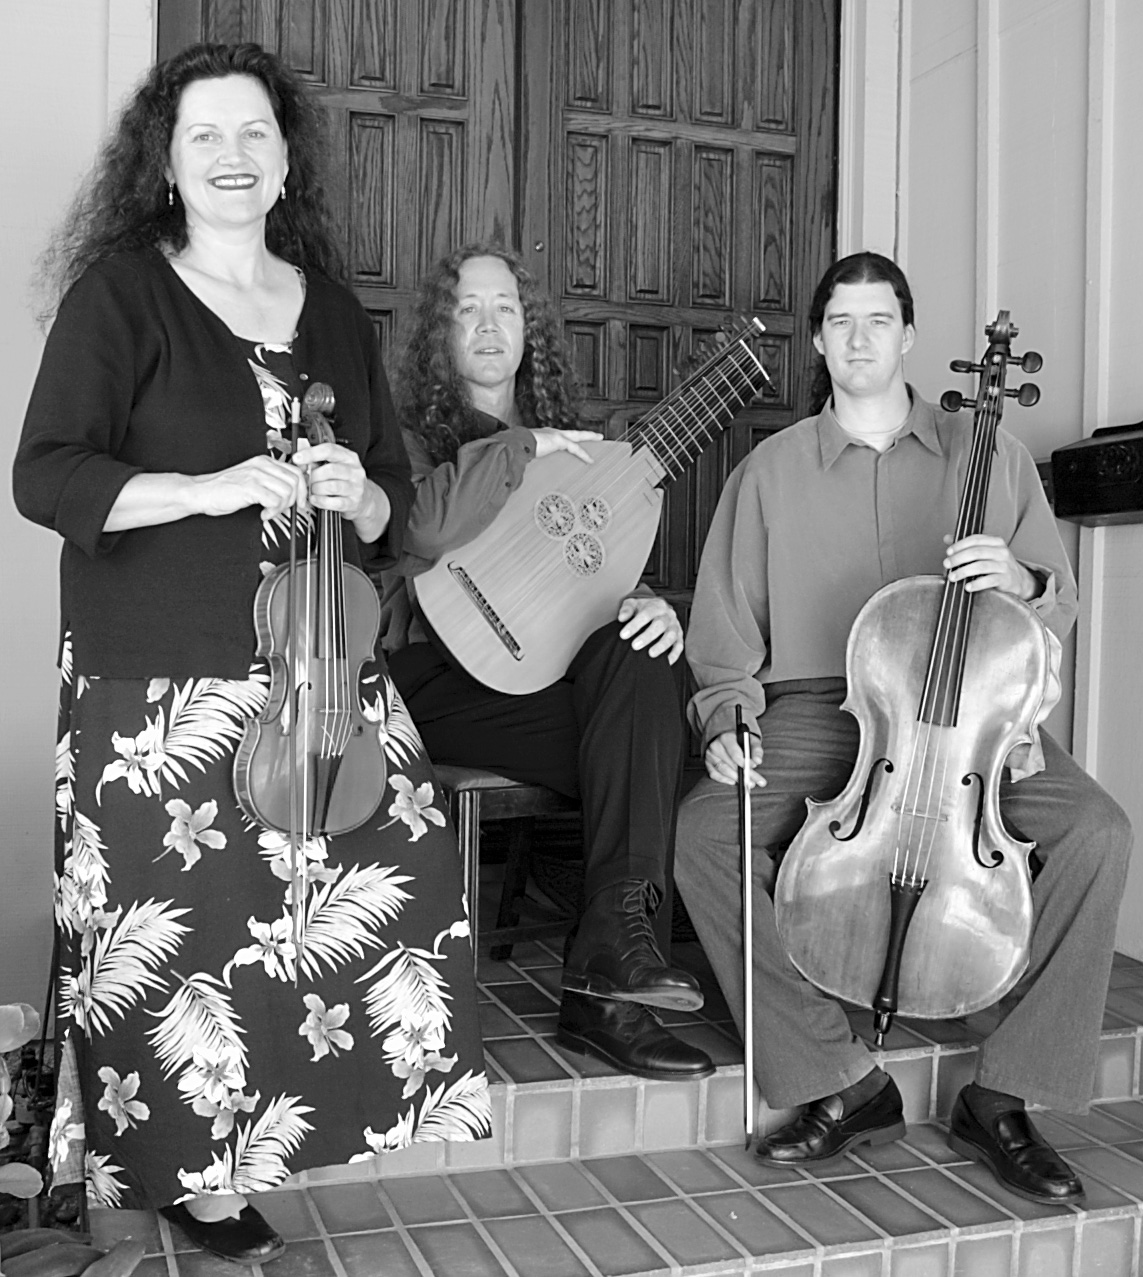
(1008, 132)
(68, 59)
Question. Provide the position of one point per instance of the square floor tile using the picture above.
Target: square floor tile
(532, 1245)
(607, 1120)
(983, 1256)
(474, 1154)
(541, 1125)
(687, 1237)
(522, 997)
(422, 1199)
(922, 1261)
(613, 1245)
(1129, 1111)
(350, 1208)
(746, 1167)
(982, 1179)
(561, 1186)
(524, 1060)
(453, 1249)
(1046, 1252)
(691, 1170)
(373, 1254)
(725, 1109)
(670, 1114)
(863, 1265)
(1115, 1070)
(748, 1220)
(876, 1201)
(896, 1156)
(820, 1215)
(304, 1259)
(1111, 1166)
(948, 1199)
(931, 1142)
(110, 1226)
(493, 1194)
(629, 1179)
(1106, 1247)
(289, 1214)
(497, 1023)
(914, 1078)
(954, 1071)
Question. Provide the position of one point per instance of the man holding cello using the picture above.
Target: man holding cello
(810, 525)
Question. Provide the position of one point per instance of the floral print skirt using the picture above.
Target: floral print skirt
(212, 1055)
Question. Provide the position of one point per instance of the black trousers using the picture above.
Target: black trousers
(610, 733)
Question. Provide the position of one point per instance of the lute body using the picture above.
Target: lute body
(516, 603)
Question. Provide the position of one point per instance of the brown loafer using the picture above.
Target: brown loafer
(823, 1130)
(249, 1239)
(1017, 1154)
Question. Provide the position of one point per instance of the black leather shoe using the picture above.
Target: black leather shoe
(630, 1037)
(615, 955)
(822, 1129)
(245, 1240)
(1016, 1153)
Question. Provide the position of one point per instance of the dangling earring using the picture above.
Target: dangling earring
(170, 194)
(283, 195)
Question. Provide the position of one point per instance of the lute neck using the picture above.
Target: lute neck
(695, 413)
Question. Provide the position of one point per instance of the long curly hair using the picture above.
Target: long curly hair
(857, 268)
(124, 204)
(433, 399)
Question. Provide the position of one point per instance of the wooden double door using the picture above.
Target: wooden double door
(664, 165)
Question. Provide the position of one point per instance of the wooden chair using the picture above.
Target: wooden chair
(475, 796)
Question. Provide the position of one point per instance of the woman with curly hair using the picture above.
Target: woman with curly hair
(483, 391)
(196, 298)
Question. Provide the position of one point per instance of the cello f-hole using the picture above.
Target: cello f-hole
(835, 825)
(978, 818)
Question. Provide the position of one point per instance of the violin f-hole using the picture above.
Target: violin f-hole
(978, 817)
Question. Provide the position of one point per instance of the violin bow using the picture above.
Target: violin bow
(297, 834)
(744, 837)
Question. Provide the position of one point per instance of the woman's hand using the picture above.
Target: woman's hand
(337, 482)
(337, 477)
(986, 563)
(549, 439)
(724, 759)
(651, 621)
(261, 480)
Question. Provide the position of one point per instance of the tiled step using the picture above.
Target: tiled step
(911, 1209)
(549, 1104)
(595, 1174)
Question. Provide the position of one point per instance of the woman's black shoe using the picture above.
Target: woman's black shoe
(1016, 1153)
(245, 1240)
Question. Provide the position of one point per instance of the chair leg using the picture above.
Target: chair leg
(468, 835)
(516, 869)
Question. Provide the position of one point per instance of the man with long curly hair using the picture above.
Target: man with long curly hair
(483, 389)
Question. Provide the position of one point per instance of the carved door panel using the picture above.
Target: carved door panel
(678, 168)
(420, 101)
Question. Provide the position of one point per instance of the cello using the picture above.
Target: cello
(906, 893)
(311, 763)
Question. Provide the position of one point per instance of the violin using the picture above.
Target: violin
(906, 893)
(311, 763)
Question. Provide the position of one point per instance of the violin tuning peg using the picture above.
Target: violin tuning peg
(952, 401)
(965, 365)
(1031, 361)
(1028, 395)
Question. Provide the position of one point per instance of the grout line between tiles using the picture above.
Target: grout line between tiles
(402, 1231)
(482, 1232)
(553, 1219)
(323, 1234)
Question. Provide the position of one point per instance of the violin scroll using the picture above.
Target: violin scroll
(998, 355)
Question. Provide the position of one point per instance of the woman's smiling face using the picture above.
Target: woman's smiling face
(228, 157)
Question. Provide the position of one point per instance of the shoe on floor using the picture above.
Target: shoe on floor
(1016, 1153)
(614, 953)
(823, 1129)
(629, 1037)
(249, 1239)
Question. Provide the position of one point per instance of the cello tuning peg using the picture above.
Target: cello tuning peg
(1030, 361)
(1027, 395)
(965, 365)
(954, 401)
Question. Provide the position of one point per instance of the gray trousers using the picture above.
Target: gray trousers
(1045, 1047)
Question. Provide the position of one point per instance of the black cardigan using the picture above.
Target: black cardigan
(138, 375)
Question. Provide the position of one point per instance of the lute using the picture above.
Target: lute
(516, 603)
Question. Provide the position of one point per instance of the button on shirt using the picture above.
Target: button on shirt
(812, 523)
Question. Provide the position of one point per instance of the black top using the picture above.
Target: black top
(138, 375)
